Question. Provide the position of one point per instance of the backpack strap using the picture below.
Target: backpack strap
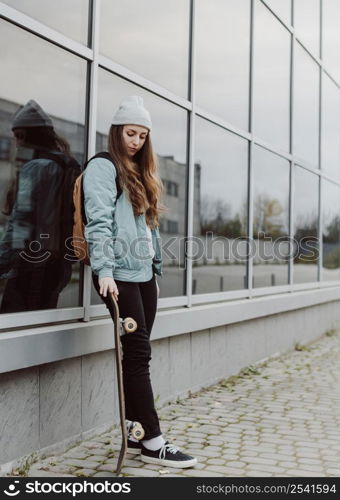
(106, 155)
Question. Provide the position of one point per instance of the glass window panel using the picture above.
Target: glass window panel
(222, 58)
(331, 231)
(283, 8)
(271, 78)
(220, 210)
(307, 23)
(330, 146)
(305, 225)
(69, 18)
(150, 38)
(331, 36)
(270, 219)
(169, 125)
(29, 195)
(306, 107)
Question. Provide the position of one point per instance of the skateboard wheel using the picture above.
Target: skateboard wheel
(130, 325)
(137, 431)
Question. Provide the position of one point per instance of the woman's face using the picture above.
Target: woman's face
(20, 135)
(134, 137)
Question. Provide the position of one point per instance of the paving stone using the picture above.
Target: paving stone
(99, 452)
(142, 472)
(235, 463)
(258, 473)
(81, 455)
(104, 474)
(288, 465)
(85, 472)
(259, 460)
(96, 458)
(81, 463)
(225, 469)
(201, 473)
(334, 471)
(302, 473)
(215, 461)
(269, 468)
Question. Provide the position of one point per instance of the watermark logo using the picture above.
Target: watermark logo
(13, 491)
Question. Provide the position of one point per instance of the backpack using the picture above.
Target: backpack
(54, 206)
(79, 243)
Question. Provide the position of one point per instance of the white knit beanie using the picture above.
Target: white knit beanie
(131, 111)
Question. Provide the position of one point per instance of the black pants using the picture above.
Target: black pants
(138, 300)
(36, 286)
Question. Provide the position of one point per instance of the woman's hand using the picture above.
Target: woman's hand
(157, 288)
(108, 284)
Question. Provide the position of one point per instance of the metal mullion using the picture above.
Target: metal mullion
(92, 129)
(191, 155)
(291, 164)
(217, 120)
(42, 31)
(320, 230)
(291, 223)
(250, 260)
(320, 184)
(275, 14)
(136, 79)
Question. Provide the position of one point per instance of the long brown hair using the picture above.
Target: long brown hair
(139, 177)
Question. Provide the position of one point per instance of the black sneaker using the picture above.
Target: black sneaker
(168, 455)
(134, 447)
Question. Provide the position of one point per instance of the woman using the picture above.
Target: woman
(125, 254)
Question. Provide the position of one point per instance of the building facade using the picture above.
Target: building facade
(245, 102)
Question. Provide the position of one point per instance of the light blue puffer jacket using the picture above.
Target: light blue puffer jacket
(118, 239)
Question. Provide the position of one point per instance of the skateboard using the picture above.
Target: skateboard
(122, 327)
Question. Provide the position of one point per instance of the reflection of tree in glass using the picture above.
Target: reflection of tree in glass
(331, 247)
(216, 218)
(332, 231)
(268, 220)
(306, 236)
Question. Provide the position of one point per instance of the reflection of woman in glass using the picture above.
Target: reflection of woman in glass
(31, 251)
(125, 253)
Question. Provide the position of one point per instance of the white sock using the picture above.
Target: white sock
(154, 443)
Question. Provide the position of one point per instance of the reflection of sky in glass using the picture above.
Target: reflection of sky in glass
(168, 121)
(34, 69)
(331, 128)
(222, 54)
(150, 38)
(68, 17)
(281, 7)
(271, 189)
(271, 78)
(223, 158)
(331, 36)
(306, 106)
(307, 23)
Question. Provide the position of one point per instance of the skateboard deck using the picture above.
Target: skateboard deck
(122, 327)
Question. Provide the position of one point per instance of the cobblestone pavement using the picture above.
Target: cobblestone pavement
(280, 417)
